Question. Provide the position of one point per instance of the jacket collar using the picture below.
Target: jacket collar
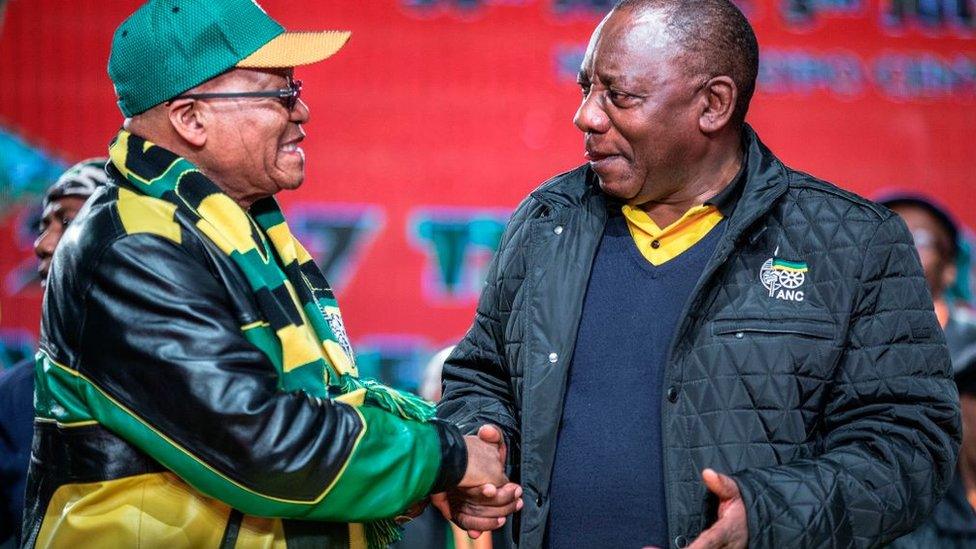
(766, 179)
(571, 189)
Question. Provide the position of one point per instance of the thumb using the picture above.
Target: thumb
(493, 435)
(490, 433)
(439, 501)
(720, 485)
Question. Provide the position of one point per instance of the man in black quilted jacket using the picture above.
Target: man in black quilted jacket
(683, 342)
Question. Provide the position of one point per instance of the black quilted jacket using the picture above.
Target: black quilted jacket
(835, 414)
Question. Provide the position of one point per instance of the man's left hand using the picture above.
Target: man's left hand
(730, 531)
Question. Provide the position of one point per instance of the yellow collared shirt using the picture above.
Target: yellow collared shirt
(659, 245)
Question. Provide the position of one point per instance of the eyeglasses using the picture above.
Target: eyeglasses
(288, 96)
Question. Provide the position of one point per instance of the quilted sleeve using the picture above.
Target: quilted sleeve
(890, 427)
(476, 377)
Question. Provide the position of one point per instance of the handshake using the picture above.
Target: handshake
(484, 497)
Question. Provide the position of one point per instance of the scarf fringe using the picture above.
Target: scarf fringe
(382, 533)
(402, 404)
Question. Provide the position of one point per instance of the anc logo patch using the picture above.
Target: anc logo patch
(784, 278)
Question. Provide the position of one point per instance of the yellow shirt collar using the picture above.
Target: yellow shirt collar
(659, 245)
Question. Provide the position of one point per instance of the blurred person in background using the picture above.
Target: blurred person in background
(937, 239)
(686, 343)
(431, 384)
(62, 202)
(195, 384)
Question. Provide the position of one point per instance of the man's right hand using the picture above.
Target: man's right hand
(484, 496)
(486, 462)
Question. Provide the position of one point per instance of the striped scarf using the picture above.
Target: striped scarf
(301, 331)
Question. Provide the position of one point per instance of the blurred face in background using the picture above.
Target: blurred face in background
(934, 248)
(54, 220)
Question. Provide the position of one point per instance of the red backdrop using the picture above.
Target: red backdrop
(440, 115)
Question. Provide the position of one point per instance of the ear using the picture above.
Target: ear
(189, 120)
(720, 97)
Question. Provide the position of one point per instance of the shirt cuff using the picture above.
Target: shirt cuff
(454, 456)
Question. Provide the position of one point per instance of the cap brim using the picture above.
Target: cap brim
(293, 49)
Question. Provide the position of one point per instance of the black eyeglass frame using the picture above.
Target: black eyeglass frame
(289, 96)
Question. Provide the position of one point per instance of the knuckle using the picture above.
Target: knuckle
(473, 523)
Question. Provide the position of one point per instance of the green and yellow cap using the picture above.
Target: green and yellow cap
(169, 46)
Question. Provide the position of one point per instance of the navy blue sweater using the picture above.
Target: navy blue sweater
(608, 477)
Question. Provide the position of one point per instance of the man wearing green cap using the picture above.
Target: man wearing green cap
(195, 386)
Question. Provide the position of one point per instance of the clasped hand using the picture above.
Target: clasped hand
(484, 496)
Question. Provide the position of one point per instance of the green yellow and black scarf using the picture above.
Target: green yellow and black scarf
(301, 331)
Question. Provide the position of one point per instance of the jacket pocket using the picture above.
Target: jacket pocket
(740, 327)
(774, 375)
(781, 348)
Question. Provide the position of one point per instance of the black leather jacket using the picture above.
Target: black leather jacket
(160, 424)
